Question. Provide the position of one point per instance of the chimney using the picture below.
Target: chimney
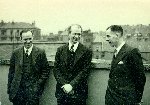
(2, 23)
(33, 23)
(13, 23)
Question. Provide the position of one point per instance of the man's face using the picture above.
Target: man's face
(112, 38)
(27, 39)
(75, 34)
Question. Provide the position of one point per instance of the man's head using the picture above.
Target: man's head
(74, 32)
(114, 35)
(27, 38)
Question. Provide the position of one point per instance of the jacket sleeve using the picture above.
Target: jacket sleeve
(86, 69)
(11, 71)
(57, 67)
(137, 67)
(45, 68)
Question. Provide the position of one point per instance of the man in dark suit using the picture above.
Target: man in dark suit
(126, 79)
(28, 72)
(72, 65)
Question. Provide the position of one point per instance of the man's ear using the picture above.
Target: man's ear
(118, 34)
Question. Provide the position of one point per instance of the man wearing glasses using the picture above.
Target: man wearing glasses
(28, 72)
(72, 64)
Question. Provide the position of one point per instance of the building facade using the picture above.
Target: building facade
(10, 31)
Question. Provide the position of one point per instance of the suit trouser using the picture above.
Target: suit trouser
(111, 98)
(19, 101)
(26, 96)
(71, 101)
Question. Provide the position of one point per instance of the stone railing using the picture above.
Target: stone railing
(96, 63)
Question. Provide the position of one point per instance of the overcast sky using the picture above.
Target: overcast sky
(55, 15)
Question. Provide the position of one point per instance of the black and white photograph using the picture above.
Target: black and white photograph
(74, 52)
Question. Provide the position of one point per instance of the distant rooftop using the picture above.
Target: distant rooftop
(98, 38)
(17, 25)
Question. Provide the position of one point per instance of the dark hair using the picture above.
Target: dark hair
(69, 28)
(116, 28)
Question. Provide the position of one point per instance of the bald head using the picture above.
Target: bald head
(27, 34)
(74, 27)
(27, 38)
(74, 32)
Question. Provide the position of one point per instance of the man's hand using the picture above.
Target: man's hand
(67, 88)
(139, 103)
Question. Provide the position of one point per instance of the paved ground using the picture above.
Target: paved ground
(97, 87)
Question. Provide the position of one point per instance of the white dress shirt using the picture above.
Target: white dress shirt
(75, 46)
(119, 47)
(29, 50)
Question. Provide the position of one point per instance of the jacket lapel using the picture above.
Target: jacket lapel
(34, 54)
(64, 54)
(20, 56)
(120, 55)
(18, 66)
(79, 52)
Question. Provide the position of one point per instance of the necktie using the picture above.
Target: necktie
(26, 53)
(71, 49)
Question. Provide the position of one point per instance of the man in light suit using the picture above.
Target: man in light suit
(72, 66)
(126, 79)
(28, 72)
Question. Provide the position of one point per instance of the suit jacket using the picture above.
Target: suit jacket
(40, 70)
(126, 79)
(77, 76)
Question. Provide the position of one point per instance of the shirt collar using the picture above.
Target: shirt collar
(120, 46)
(75, 45)
(29, 50)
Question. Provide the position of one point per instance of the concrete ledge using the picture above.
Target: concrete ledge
(96, 63)
(35, 42)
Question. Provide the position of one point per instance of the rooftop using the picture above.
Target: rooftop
(17, 25)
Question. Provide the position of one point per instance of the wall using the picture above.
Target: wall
(105, 51)
(50, 48)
